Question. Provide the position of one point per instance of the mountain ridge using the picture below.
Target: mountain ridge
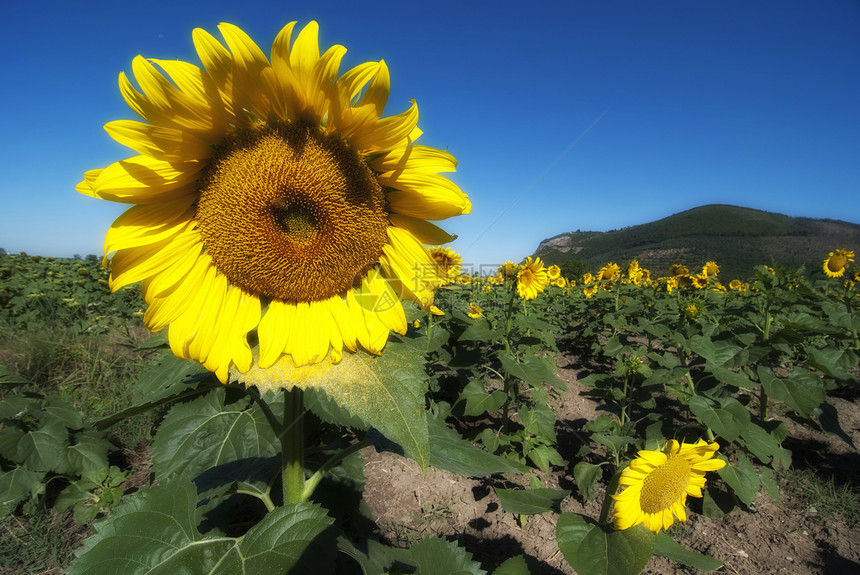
(737, 238)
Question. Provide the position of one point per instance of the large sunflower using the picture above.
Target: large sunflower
(273, 195)
(658, 483)
(837, 262)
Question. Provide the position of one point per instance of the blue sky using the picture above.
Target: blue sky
(563, 115)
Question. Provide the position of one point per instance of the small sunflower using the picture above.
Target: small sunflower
(560, 282)
(710, 269)
(553, 272)
(735, 285)
(474, 311)
(700, 281)
(678, 270)
(587, 278)
(272, 194)
(589, 291)
(657, 484)
(608, 272)
(692, 310)
(507, 270)
(837, 262)
(684, 281)
(531, 279)
(449, 260)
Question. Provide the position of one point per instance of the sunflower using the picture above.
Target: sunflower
(273, 195)
(735, 285)
(608, 272)
(559, 282)
(587, 278)
(837, 262)
(449, 260)
(710, 269)
(692, 310)
(474, 311)
(507, 270)
(678, 270)
(684, 281)
(553, 272)
(589, 291)
(657, 484)
(531, 278)
(700, 281)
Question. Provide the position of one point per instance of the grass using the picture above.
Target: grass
(42, 543)
(823, 497)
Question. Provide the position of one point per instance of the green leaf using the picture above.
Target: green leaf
(543, 456)
(586, 476)
(761, 443)
(480, 330)
(720, 353)
(531, 501)
(386, 391)
(10, 378)
(802, 394)
(742, 478)
(532, 369)
(435, 556)
(519, 565)
(474, 400)
(168, 377)
(44, 449)
(665, 546)
(328, 410)
(16, 486)
(615, 442)
(90, 452)
(204, 433)
(155, 532)
(768, 481)
(451, 452)
(591, 550)
(728, 421)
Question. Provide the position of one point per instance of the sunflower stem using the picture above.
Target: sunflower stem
(607, 499)
(292, 446)
(314, 479)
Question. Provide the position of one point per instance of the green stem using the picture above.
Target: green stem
(292, 444)
(762, 403)
(314, 479)
(607, 499)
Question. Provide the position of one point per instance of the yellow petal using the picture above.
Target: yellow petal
(387, 132)
(149, 223)
(136, 264)
(423, 230)
(141, 179)
(158, 142)
(377, 93)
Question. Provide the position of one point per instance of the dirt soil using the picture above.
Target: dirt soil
(768, 537)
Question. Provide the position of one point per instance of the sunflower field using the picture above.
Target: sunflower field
(307, 316)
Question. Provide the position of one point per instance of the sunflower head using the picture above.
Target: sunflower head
(531, 278)
(449, 260)
(587, 278)
(553, 272)
(507, 270)
(700, 281)
(735, 285)
(589, 291)
(710, 269)
(657, 483)
(474, 311)
(692, 310)
(608, 272)
(270, 193)
(837, 262)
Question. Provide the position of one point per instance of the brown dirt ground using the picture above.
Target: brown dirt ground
(767, 538)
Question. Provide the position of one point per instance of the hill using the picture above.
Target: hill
(736, 238)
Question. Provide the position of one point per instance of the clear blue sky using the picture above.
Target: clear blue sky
(749, 103)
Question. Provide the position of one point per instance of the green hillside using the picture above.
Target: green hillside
(736, 238)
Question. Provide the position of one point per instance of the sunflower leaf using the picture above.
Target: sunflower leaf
(591, 550)
(155, 532)
(386, 392)
(728, 421)
(531, 501)
(742, 478)
(665, 546)
(205, 432)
